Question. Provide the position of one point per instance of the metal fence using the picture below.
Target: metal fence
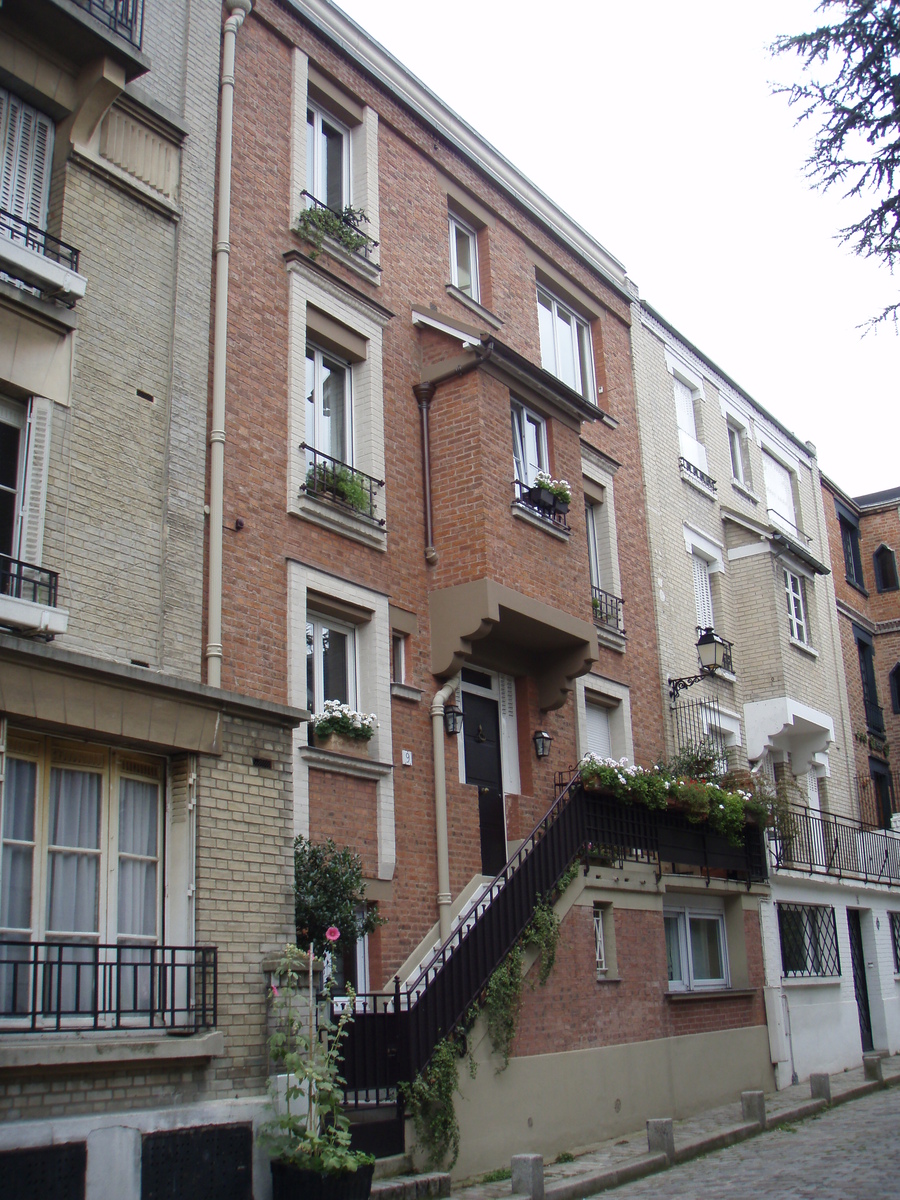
(819, 844)
(124, 17)
(25, 581)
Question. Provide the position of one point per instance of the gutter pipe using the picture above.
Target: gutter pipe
(440, 804)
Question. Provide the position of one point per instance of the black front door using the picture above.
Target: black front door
(858, 962)
(481, 735)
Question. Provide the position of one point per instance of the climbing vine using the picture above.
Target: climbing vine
(429, 1101)
(502, 1001)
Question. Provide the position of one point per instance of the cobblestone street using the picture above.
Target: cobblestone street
(846, 1153)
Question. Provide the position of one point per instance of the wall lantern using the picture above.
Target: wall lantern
(542, 742)
(453, 719)
(713, 652)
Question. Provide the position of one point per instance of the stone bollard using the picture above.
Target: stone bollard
(820, 1087)
(872, 1067)
(661, 1137)
(753, 1107)
(528, 1175)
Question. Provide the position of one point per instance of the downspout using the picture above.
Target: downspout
(237, 9)
(424, 394)
(440, 804)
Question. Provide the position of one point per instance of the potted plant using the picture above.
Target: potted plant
(341, 484)
(309, 1136)
(342, 729)
(317, 221)
(329, 891)
(555, 495)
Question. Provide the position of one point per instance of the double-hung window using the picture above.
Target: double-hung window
(463, 257)
(330, 662)
(529, 433)
(327, 159)
(796, 607)
(565, 345)
(696, 954)
(328, 417)
(866, 653)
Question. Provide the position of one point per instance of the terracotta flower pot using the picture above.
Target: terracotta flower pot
(342, 743)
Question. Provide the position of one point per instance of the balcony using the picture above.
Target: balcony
(608, 610)
(330, 479)
(695, 475)
(874, 717)
(84, 30)
(818, 844)
(342, 227)
(31, 256)
(28, 598)
(124, 17)
(51, 987)
(544, 503)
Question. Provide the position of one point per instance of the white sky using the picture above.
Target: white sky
(653, 125)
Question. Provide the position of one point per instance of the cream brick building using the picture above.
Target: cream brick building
(739, 544)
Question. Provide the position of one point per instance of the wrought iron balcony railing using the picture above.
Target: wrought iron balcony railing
(874, 717)
(788, 525)
(819, 844)
(124, 17)
(53, 986)
(331, 479)
(544, 503)
(608, 609)
(37, 239)
(701, 476)
(343, 225)
(25, 581)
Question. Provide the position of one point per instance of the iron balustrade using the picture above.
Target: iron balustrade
(543, 502)
(394, 1035)
(340, 483)
(874, 716)
(607, 608)
(701, 476)
(878, 798)
(26, 581)
(820, 844)
(124, 17)
(727, 655)
(56, 986)
(778, 518)
(37, 239)
(366, 244)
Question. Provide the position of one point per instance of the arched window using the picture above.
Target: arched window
(886, 569)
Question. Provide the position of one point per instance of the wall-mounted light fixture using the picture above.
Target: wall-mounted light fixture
(712, 652)
(542, 742)
(453, 719)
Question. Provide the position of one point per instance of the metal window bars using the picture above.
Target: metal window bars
(809, 946)
(688, 468)
(26, 581)
(124, 17)
(544, 503)
(32, 237)
(330, 479)
(346, 223)
(608, 609)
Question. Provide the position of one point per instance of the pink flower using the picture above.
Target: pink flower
(332, 933)
(274, 992)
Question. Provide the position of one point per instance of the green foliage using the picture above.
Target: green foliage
(567, 878)
(856, 102)
(502, 1001)
(498, 1176)
(329, 891)
(341, 718)
(314, 223)
(565, 1157)
(315, 1135)
(342, 482)
(542, 934)
(429, 1101)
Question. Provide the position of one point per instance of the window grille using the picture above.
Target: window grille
(809, 944)
(895, 939)
(599, 943)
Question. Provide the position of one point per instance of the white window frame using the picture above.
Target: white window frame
(581, 347)
(319, 622)
(316, 156)
(33, 420)
(591, 526)
(775, 474)
(616, 699)
(398, 656)
(681, 918)
(737, 445)
(315, 432)
(599, 941)
(459, 227)
(526, 422)
(685, 380)
(798, 618)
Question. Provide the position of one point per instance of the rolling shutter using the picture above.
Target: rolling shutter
(597, 723)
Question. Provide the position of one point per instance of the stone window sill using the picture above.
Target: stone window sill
(339, 520)
(697, 485)
(485, 314)
(403, 691)
(800, 981)
(798, 645)
(745, 491)
(66, 1050)
(523, 513)
(711, 994)
(344, 764)
(367, 270)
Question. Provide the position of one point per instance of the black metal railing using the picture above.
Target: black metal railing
(779, 518)
(608, 609)
(34, 238)
(394, 1034)
(347, 228)
(124, 17)
(701, 476)
(698, 729)
(26, 581)
(53, 986)
(819, 844)
(727, 655)
(344, 485)
(879, 798)
(874, 716)
(544, 503)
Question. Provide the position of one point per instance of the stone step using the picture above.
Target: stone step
(412, 1187)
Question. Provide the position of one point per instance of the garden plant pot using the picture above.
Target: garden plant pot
(541, 498)
(299, 1183)
(342, 743)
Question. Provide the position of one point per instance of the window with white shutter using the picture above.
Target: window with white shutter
(688, 446)
(24, 455)
(702, 592)
(597, 727)
(509, 734)
(779, 493)
(26, 153)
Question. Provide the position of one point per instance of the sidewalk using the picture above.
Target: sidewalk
(616, 1161)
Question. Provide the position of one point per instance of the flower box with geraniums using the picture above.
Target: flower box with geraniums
(308, 1138)
(342, 729)
(717, 802)
(554, 495)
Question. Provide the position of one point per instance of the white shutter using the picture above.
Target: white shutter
(597, 725)
(684, 408)
(34, 490)
(779, 492)
(509, 740)
(702, 592)
(26, 154)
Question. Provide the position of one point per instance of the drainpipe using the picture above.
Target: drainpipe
(440, 804)
(237, 9)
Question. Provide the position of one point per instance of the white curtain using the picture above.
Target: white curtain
(74, 855)
(138, 834)
(18, 854)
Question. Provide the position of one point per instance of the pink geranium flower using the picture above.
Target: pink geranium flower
(332, 933)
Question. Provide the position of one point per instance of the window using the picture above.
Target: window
(330, 662)
(599, 940)
(398, 657)
(328, 396)
(894, 681)
(26, 154)
(885, 561)
(696, 956)
(866, 652)
(565, 345)
(702, 592)
(689, 447)
(81, 844)
(529, 443)
(598, 740)
(883, 787)
(796, 606)
(895, 939)
(809, 946)
(849, 525)
(24, 457)
(327, 159)
(740, 460)
(463, 257)
(591, 523)
(780, 494)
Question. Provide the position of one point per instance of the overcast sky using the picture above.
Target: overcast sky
(653, 125)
